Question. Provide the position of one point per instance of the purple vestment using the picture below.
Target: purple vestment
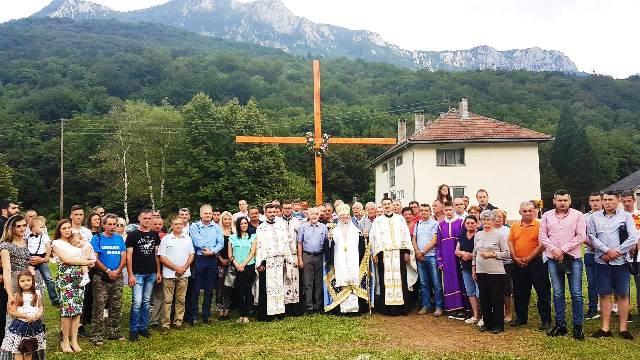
(452, 285)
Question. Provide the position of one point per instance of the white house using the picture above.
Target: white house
(467, 152)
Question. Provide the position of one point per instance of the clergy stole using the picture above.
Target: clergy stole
(390, 235)
(273, 249)
(292, 283)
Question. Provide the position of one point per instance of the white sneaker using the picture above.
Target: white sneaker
(85, 280)
(471, 320)
(481, 322)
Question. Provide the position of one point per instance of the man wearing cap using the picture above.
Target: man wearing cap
(347, 256)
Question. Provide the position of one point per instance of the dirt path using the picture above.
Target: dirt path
(425, 332)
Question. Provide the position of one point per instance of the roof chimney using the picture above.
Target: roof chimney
(418, 118)
(402, 130)
(463, 109)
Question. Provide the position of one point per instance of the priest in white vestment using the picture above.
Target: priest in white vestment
(292, 285)
(273, 263)
(392, 252)
(346, 279)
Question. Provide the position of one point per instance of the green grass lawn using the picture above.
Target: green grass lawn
(332, 337)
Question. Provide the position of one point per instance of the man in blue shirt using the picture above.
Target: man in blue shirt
(208, 241)
(107, 281)
(424, 246)
(312, 237)
(613, 234)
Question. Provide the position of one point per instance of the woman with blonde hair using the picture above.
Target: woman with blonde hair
(501, 226)
(223, 292)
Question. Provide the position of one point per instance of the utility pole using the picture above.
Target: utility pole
(61, 168)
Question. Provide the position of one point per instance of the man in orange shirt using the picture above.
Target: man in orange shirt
(529, 269)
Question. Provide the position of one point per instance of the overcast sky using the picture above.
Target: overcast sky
(598, 35)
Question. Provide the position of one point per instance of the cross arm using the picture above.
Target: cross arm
(271, 140)
(363, 141)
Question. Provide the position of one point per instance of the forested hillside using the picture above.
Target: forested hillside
(175, 100)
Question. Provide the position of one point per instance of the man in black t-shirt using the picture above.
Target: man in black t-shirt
(7, 209)
(143, 267)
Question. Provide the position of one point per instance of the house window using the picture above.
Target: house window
(384, 167)
(392, 173)
(457, 191)
(400, 194)
(449, 157)
(393, 195)
(399, 160)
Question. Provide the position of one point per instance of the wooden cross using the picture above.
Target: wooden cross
(317, 135)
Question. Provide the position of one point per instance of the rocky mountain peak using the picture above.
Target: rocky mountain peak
(75, 9)
(270, 23)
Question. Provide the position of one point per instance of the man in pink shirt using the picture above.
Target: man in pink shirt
(562, 232)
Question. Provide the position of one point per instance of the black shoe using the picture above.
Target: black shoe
(592, 314)
(545, 327)
(601, 333)
(626, 335)
(497, 330)
(484, 328)
(578, 334)
(557, 331)
(458, 316)
(133, 336)
(82, 332)
(191, 322)
(145, 333)
(517, 323)
(205, 321)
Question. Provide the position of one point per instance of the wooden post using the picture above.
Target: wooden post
(317, 136)
(61, 168)
(317, 127)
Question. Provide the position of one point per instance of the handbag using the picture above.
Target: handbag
(28, 345)
(230, 278)
(630, 260)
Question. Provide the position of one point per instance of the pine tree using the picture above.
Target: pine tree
(561, 154)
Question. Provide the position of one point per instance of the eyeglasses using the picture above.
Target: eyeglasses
(119, 225)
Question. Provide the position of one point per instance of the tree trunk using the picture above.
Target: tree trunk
(149, 182)
(125, 178)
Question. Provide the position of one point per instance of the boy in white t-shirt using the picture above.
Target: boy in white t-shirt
(39, 246)
(176, 254)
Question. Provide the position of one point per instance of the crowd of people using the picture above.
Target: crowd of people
(286, 258)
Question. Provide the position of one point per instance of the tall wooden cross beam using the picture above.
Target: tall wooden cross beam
(317, 139)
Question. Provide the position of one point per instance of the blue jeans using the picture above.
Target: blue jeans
(141, 302)
(430, 280)
(613, 279)
(573, 270)
(470, 285)
(48, 280)
(590, 270)
(206, 279)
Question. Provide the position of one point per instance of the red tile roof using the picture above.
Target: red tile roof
(451, 127)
